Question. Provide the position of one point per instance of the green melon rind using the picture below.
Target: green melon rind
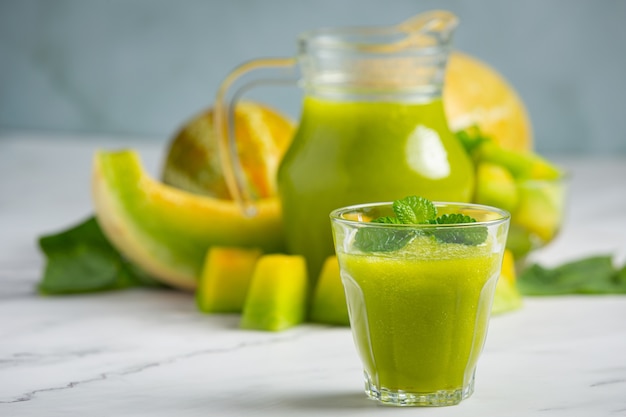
(166, 231)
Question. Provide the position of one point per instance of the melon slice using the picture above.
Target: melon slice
(329, 298)
(495, 186)
(166, 231)
(225, 279)
(277, 297)
(507, 297)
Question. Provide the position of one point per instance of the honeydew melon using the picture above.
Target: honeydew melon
(495, 186)
(507, 297)
(166, 231)
(540, 208)
(225, 279)
(277, 297)
(329, 298)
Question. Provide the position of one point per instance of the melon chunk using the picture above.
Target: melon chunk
(166, 231)
(495, 186)
(329, 298)
(507, 296)
(277, 297)
(540, 209)
(225, 279)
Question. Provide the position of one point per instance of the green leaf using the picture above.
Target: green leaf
(620, 278)
(387, 220)
(81, 259)
(471, 235)
(409, 210)
(370, 239)
(414, 210)
(453, 218)
(591, 275)
(472, 139)
(417, 210)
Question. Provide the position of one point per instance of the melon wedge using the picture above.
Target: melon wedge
(277, 296)
(507, 297)
(329, 298)
(225, 279)
(167, 231)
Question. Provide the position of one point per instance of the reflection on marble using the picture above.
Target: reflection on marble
(149, 352)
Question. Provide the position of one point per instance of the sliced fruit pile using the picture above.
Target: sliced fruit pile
(271, 291)
(524, 183)
(189, 234)
(205, 244)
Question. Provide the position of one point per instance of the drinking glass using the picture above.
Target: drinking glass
(419, 298)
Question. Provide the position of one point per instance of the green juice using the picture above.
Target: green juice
(420, 318)
(356, 152)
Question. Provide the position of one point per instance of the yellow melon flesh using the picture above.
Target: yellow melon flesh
(277, 297)
(193, 160)
(225, 279)
(476, 94)
(507, 297)
(329, 298)
(167, 231)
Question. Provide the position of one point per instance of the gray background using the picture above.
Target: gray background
(142, 67)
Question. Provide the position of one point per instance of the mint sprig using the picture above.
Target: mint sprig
(467, 236)
(416, 210)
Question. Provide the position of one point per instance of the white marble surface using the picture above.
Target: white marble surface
(147, 352)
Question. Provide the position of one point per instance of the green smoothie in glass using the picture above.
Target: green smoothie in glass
(419, 297)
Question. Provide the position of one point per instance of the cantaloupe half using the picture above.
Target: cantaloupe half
(167, 231)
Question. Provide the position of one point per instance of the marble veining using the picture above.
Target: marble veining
(17, 361)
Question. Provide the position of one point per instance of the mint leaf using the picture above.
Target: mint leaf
(591, 275)
(472, 140)
(382, 240)
(387, 220)
(414, 210)
(453, 218)
(465, 236)
(81, 259)
(417, 210)
(409, 210)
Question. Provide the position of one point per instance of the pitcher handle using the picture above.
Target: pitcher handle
(246, 76)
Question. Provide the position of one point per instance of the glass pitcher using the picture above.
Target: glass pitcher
(372, 126)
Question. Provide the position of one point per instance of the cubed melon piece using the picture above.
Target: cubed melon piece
(495, 186)
(523, 165)
(507, 296)
(225, 279)
(277, 297)
(540, 208)
(329, 298)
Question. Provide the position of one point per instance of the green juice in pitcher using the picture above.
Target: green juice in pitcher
(372, 127)
(349, 152)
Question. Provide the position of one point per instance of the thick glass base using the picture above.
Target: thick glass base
(417, 399)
